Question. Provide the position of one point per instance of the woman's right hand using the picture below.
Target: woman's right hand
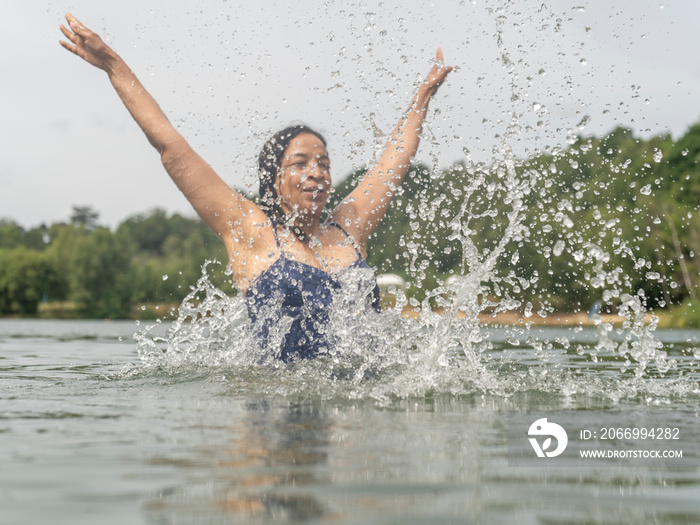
(86, 44)
(242, 226)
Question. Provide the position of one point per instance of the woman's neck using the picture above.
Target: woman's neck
(307, 224)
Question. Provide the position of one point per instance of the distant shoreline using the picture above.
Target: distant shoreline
(168, 311)
(552, 319)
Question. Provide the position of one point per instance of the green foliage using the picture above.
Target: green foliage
(686, 315)
(25, 277)
(635, 203)
(100, 277)
(149, 232)
(84, 216)
(617, 196)
(10, 233)
(150, 258)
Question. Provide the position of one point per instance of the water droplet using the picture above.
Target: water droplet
(658, 155)
(165, 277)
(583, 61)
(646, 190)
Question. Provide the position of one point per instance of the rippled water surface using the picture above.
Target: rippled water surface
(91, 434)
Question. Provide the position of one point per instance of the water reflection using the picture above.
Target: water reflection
(278, 448)
(265, 468)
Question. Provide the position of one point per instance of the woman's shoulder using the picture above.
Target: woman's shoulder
(339, 242)
(249, 236)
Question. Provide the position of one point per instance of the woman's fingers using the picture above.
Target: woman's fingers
(77, 27)
(73, 49)
(74, 36)
(85, 44)
(437, 73)
(440, 64)
(75, 40)
(72, 46)
(68, 34)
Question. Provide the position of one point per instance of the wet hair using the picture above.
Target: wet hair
(269, 163)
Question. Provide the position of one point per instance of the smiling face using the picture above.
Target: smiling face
(303, 182)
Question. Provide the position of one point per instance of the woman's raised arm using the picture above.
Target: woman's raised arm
(216, 203)
(362, 210)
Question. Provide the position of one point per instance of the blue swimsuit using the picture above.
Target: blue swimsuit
(299, 294)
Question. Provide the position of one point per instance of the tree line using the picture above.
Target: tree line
(149, 258)
(600, 218)
(592, 221)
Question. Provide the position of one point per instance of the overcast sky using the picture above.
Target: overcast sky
(230, 73)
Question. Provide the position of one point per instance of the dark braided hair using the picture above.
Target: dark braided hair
(269, 163)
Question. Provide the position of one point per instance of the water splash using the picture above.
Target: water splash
(447, 349)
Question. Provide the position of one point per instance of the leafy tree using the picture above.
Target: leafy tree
(25, 278)
(148, 231)
(84, 216)
(100, 274)
(603, 216)
(10, 233)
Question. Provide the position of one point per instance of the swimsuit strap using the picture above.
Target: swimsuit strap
(352, 241)
(274, 230)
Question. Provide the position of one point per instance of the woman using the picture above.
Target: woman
(286, 262)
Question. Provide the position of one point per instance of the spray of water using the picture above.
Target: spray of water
(447, 349)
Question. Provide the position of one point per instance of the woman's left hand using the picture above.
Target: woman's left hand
(437, 75)
(366, 205)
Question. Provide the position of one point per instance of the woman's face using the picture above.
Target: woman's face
(304, 179)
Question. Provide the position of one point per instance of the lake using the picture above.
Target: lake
(92, 434)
